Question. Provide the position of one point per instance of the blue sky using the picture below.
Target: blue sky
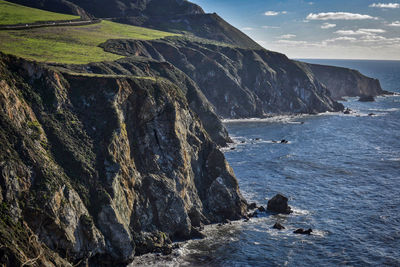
(354, 29)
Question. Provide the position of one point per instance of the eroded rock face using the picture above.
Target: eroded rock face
(346, 82)
(239, 82)
(96, 166)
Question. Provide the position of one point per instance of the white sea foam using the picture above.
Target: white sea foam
(298, 211)
(277, 118)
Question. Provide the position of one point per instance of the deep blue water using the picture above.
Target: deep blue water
(342, 176)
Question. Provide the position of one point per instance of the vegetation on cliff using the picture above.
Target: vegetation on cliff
(73, 45)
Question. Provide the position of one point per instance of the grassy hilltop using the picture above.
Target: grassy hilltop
(11, 13)
(66, 44)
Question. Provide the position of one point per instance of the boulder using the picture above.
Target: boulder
(366, 98)
(283, 141)
(278, 226)
(279, 204)
(347, 111)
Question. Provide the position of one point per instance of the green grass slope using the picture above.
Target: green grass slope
(11, 13)
(66, 44)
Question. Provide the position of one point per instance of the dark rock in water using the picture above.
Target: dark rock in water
(243, 142)
(366, 98)
(194, 233)
(371, 114)
(303, 232)
(279, 204)
(155, 242)
(261, 209)
(252, 206)
(283, 141)
(347, 111)
(226, 221)
(278, 226)
(232, 148)
(258, 139)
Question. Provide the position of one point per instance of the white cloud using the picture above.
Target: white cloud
(270, 27)
(338, 16)
(388, 5)
(247, 29)
(287, 36)
(271, 13)
(274, 13)
(311, 3)
(327, 25)
(342, 38)
(292, 42)
(360, 32)
(395, 23)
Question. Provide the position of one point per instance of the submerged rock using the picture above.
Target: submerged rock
(278, 226)
(279, 204)
(283, 141)
(303, 232)
(261, 209)
(366, 98)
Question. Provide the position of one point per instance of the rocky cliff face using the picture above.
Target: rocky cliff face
(99, 168)
(239, 82)
(345, 82)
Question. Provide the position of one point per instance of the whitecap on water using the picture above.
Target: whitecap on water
(297, 211)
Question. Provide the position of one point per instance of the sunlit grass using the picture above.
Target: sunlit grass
(11, 13)
(72, 44)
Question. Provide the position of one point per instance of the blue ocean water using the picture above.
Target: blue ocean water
(341, 174)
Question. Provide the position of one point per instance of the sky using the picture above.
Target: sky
(329, 29)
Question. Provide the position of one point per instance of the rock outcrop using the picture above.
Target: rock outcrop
(343, 82)
(279, 204)
(99, 168)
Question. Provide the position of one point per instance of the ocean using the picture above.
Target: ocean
(341, 174)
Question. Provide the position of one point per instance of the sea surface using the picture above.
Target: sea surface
(341, 174)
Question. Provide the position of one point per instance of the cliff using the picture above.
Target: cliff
(239, 82)
(98, 168)
(345, 82)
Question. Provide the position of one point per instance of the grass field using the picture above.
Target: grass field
(11, 13)
(66, 44)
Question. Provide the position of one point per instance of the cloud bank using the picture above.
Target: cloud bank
(328, 25)
(388, 5)
(338, 16)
